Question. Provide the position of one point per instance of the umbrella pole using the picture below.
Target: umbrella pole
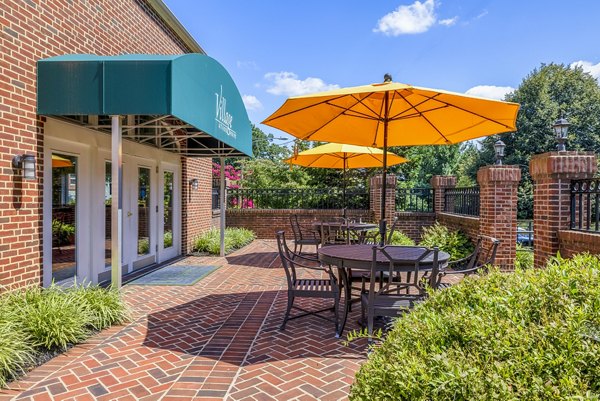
(344, 186)
(382, 222)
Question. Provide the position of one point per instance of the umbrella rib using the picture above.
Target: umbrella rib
(429, 122)
(469, 111)
(418, 113)
(303, 108)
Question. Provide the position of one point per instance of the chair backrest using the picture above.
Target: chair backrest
(489, 258)
(391, 231)
(295, 227)
(402, 274)
(334, 233)
(285, 254)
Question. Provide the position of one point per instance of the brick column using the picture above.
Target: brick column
(375, 197)
(440, 183)
(498, 209)
(552, 173)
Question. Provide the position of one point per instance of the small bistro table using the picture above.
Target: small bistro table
(360, 257)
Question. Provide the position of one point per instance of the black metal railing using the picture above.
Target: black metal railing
(462, 201)
(414, 199)
(309, 198)
(585, 205)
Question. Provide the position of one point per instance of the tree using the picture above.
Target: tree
(264, 148)
(425, 162)
(544, 95)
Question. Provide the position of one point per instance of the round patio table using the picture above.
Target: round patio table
(360, 257)
(359, 228)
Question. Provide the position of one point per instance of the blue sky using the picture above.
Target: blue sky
(277, 49)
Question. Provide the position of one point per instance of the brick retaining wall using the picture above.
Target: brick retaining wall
(412, 223)
(467, 224)
(266, 222)
(572, 242)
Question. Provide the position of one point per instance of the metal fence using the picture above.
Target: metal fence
(585, 205)
(309, 198)
(462, 201)
(414, 199)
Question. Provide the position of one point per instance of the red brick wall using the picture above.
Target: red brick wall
(467, 224)
(412, 223)
(266, 222)
(196, 210)
(552, 173)
(498, 210)
(572, 242)
(31, 30)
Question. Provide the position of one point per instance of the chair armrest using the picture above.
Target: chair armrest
(464, 271)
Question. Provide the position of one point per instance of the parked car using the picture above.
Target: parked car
(524, 237)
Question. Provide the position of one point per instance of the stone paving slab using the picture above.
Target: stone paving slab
(218, 339)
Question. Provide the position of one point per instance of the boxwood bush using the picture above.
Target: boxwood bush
(235, 238)
(37, 321)
(454, 242)
(529, 335)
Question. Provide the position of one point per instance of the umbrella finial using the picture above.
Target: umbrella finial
(387, 78)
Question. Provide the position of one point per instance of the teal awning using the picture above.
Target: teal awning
(183, 103)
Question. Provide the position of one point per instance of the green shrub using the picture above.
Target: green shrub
(398, 238)
(62, 232)
(235, 238)
(16, 350)
(524, 257)
(52, 317)
(529, 335)
(104, 306)
(456, 243)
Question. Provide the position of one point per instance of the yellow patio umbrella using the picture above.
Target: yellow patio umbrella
(392, 114)
(343, 156)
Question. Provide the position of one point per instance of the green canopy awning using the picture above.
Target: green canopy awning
(182, 103)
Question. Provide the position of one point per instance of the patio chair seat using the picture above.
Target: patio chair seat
(391, 305)
(309, 287)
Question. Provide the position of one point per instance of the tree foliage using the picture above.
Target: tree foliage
(544, 95)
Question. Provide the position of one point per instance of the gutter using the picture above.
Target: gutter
(172, 22)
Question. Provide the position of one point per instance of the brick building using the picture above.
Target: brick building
(56, 224)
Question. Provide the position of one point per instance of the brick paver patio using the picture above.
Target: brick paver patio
(218, 339)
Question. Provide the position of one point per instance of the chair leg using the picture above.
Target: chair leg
(300, 250)
(290, 302)
(370, 323)
(336, 311)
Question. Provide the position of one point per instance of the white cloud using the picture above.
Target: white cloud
(490, 91)
(415, 18)
(251, 102)
(449, 21)
(482, 14)
(288, 84)
(586, 66)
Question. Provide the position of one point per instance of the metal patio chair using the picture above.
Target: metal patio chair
(298, 287)
(399, 288)
(476, 262)
(303, 236)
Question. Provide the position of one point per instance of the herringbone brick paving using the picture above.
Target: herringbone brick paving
(218, 339)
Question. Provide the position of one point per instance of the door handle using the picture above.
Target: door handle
(129, 214)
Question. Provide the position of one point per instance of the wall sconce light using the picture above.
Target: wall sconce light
(194, 184)
(499, 147)
(561, 129)
(25, 163)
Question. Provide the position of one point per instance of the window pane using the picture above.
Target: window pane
(168, 206)
(143, 211)
(64, 217)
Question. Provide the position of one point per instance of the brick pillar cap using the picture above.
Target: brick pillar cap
(378, 179)
(495, 173)
(443, 181)
(570, 165)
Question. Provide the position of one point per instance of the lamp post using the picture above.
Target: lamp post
(499, 147)
(561, 128)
